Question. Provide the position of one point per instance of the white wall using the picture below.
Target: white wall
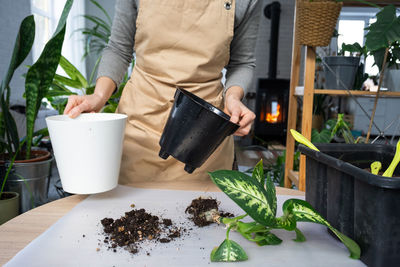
(11, 15)
(284, 44)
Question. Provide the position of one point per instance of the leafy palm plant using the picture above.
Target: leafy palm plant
(259, 202)
(37, 83)
(64, 86)
(96, 36)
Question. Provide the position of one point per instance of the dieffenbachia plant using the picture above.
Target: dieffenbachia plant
(259, 202)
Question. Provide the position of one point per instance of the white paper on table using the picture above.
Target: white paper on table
(63, 243)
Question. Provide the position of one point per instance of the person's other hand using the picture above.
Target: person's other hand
(239, 113)
(78, 104)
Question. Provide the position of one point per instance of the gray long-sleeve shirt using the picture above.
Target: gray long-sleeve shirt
(119, 52)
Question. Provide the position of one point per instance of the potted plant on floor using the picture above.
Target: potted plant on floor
(22, 168)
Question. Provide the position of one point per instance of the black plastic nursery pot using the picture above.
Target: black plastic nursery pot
(194, 129)
(364, 206)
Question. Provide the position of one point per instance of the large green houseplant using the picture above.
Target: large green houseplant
(19, 160)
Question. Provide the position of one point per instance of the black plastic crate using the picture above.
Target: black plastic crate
(364, 206)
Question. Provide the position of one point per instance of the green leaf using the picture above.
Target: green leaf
(73, 72)
(267, 238)
(302, 211)
(102, 9)
(320, 137)
(385, 30)
(247, 192)
(228, 251)
(287, 222)
(379, 56)
(271, 194)
(11, 126)
(247, 229)
(22, 47)
(258, 172)
(41, 74)
(98, 21)
(299, 236)
(352, 48)
(67, 81)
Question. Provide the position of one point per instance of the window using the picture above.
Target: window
(351, 28)
(47, 13)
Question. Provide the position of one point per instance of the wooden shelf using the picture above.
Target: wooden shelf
(353, 92)
(378, 2)
(300, 92)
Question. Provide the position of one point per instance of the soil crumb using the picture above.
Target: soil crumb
(205, 211)
(136, 226)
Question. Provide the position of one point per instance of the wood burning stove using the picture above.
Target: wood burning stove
(271, 108)
(272, 94)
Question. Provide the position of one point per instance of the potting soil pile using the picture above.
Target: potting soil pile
(77, 239)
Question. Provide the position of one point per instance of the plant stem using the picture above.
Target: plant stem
(377, 94)
(9, 169)
(227, 231)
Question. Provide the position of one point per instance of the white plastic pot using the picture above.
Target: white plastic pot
(88, 150)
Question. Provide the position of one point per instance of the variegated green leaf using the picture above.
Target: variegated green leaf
(304, 212)
(271, 193)
(258, 172)
(287, 222)
(247, 192)
(22, 47)
(228, 251)
(267, 238)
(41, 74)
(299, 236)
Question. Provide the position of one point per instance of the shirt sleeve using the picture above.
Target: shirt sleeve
(118, 53)
(242, 62)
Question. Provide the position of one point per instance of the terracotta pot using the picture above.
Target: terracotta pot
(36, 155)
(9, 206)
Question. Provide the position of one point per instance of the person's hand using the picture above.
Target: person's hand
(238, 111)
(90, 103)
(78, 104)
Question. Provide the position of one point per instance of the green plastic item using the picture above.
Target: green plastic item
(301, 139)
(376, 167)
(393, 164)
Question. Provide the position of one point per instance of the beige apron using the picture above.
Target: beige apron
(181, 43)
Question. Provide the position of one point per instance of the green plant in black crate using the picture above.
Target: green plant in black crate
(259, 202)
(37, 82)
(333, 127)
